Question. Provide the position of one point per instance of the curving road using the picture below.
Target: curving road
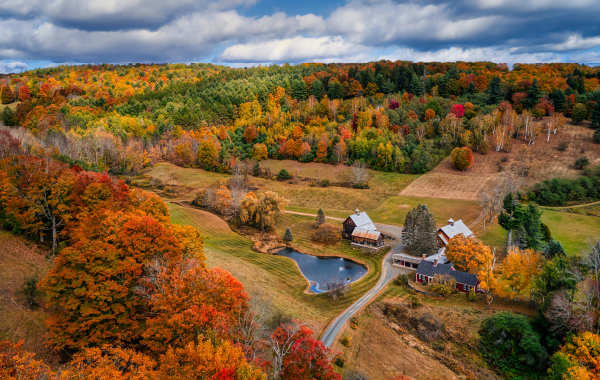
(388, 274)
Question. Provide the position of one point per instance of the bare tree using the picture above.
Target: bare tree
(280, 348)
(359, 174)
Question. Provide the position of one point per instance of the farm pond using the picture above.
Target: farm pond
(325, 272)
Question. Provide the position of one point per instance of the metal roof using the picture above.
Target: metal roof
(366, 233)
(454, 228)
(428, 268)
(440, 256)
(405, 257)
(362, 220)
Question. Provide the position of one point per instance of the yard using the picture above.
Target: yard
(275, 280)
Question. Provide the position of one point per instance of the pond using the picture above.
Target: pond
(325, 272)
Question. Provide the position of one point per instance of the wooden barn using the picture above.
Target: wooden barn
(452, 229)
(361, 230)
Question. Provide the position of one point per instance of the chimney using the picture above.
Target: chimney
(451, 222)
(435, 262)
(357, 211)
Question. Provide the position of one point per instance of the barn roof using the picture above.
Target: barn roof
(454, 228)
(362, 220)
(440, 256)
(428, 268)
(366, 233)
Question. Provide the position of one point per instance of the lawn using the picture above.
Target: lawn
(494, 236)
(271, 279)
(576, 232)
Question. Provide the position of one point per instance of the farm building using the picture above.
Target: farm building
(452, 229)
(361, 230)
(427, 270)
(412, 262)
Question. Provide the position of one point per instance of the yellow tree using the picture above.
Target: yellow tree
(518, 271)
(469, 254)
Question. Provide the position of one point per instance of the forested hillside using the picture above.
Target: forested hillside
(393, 116)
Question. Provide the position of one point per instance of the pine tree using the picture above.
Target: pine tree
(533, 94)
(495, 91)
(596, 113)
(420, 234)
(320, 218)
(416, 85)
(287, 236)
(299, 90)
(317, 89)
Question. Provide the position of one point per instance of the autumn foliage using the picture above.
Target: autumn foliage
(470, 255)
(462, 158)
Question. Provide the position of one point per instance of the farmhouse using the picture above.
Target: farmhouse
(452, 229)
(464, 281)
(361, 230)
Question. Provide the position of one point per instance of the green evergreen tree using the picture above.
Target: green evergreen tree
(416, 85)
(335, 91)
(299, 90)
(533, 94)
(420, 233)
(494, 91)
(320, 218)
(533, 226)
(553, 249)
(287, 236)
(316, 89)
(596, 113)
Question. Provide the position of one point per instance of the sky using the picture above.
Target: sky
(41, 33)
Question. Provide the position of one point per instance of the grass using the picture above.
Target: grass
(21, 260)
(393, 210)
(382, 200)
(494, 236)
(576, 232)
(271, 279)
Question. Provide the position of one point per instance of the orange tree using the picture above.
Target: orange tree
(578, 358)
(462, 158)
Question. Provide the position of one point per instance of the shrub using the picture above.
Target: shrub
(462, 158)
(402, 280)
(339, 361)
(414, 301)
(327, 233)
(562, 146)
(581, 163)
(597, 137)
(283, 175)
(472, 295)
(345, 341)
(31, 292)
(579, 113)
(509, 343)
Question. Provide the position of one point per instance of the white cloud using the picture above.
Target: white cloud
(293, 50)
(387, 21)
(575, 42)
(13, 67)
(451, 54)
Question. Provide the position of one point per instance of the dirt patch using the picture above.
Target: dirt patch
(539, 161)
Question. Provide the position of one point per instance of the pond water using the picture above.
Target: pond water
(323, 272)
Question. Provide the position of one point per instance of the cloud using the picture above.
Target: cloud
(13, 67)
(293, 50)
(119, 31)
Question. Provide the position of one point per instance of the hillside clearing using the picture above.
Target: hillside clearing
(541, 160)
(21, 260)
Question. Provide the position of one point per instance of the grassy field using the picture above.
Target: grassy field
(381, 200)
(269, 279)
(21, 260)
(576, 232)
(494, 236)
